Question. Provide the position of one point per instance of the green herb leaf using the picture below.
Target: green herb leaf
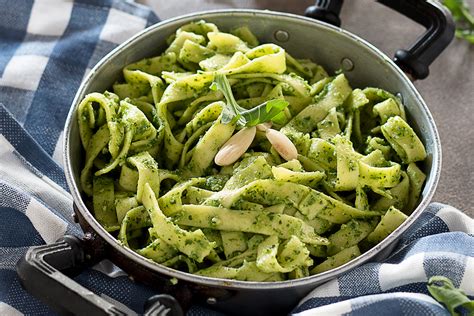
(233, 113)
(264, 112)
(280, 118)
(443, 290)
(463, 18)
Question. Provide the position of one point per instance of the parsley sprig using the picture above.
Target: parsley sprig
(463, 18)
(234, 113)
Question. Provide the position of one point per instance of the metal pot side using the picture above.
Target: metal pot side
(302, 37)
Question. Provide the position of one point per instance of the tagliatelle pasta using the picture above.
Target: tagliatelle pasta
(151, 145)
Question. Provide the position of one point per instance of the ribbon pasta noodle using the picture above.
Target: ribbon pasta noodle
(150, 174)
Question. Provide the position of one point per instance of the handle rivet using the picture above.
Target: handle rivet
(400, 96)
(282, 36)
(211, 301)
(347, 64)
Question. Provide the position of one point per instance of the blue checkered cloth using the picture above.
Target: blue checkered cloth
(46, 48)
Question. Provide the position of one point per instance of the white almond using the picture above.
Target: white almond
(282, 144)
(264, 126)
(235, 147)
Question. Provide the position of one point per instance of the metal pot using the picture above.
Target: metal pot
(303, 37)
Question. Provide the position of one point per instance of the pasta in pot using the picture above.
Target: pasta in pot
(260, 211)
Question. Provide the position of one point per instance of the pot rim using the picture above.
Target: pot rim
(235, 284)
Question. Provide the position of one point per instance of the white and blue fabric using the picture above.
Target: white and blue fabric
(46, 49)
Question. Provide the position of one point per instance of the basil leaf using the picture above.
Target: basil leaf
(463, 18)
(264, 112)
(234, 113)
(231, 112)
(443, 290)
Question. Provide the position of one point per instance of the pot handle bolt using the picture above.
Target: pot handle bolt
(347, 64)
(281, 36)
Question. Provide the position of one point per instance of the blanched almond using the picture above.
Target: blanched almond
(282, 144)
(264, 126)
(235, 147)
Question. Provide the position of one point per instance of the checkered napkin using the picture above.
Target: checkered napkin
(46, 48)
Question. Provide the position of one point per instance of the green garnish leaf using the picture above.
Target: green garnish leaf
(280, 118)
(231, 112)
(264, 112)
(234, 113)
(463, 18)
(444, 291)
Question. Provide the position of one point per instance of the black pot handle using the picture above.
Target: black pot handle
(326, 10)
(41, 273)
(431, 14)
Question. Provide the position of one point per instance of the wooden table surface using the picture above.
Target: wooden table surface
(448, 91)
